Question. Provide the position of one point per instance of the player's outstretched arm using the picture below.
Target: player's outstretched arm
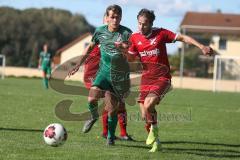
(206, 50)
(84, 56)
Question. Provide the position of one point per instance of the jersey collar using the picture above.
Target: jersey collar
(147, 36)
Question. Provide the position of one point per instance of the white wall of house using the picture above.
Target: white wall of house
(232, 47)
(75, 50)
(187, 83)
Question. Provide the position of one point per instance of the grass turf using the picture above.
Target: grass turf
(193, 125)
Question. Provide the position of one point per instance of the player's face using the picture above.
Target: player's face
(45, 48)
(144, 25)
(113, 20)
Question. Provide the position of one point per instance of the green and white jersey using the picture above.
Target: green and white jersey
(111, 58)
(46, 59)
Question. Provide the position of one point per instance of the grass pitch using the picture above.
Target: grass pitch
(193, 125)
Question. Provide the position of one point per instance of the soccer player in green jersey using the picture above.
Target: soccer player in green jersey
(45, 64)
(112, 79)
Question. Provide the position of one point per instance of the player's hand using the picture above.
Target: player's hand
(207, 50)
(122, 46)
(74, 70)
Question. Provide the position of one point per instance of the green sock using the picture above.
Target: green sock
(112, 124)
(45, 82)
(93, 108)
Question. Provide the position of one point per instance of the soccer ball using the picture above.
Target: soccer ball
(55, 134)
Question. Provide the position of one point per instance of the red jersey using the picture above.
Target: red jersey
(152, 53)
(91, 66)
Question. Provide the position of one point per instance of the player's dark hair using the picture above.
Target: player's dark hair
(148, 13)
(115, 8)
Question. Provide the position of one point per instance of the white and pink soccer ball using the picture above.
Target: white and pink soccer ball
(55, 134)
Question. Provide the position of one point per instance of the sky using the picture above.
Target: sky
(169, 13)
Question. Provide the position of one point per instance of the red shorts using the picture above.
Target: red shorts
(88, 78)
(160, 89)
(90, 72)
(88, 85)
(91, 67)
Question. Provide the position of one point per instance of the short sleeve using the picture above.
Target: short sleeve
(41, 55)
(169, 36)
(95, 37)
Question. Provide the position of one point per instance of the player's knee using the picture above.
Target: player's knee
(147, 103)
(92, 99)
(94, 94)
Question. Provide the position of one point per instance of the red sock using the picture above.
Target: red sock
(122, 120)
(105, 122)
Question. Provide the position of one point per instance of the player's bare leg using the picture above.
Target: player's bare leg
(144, 117)
(151, 115)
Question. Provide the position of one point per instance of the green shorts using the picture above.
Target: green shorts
(47, 70)
(118, 84)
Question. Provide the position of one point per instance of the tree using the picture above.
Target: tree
(23, 32)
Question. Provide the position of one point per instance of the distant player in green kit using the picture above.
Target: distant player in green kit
(45, 64)
(112, 79)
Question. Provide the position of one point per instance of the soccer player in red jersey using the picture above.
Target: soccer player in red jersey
(149, 45)
(91, 67)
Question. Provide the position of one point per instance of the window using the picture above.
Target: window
(222, 44)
